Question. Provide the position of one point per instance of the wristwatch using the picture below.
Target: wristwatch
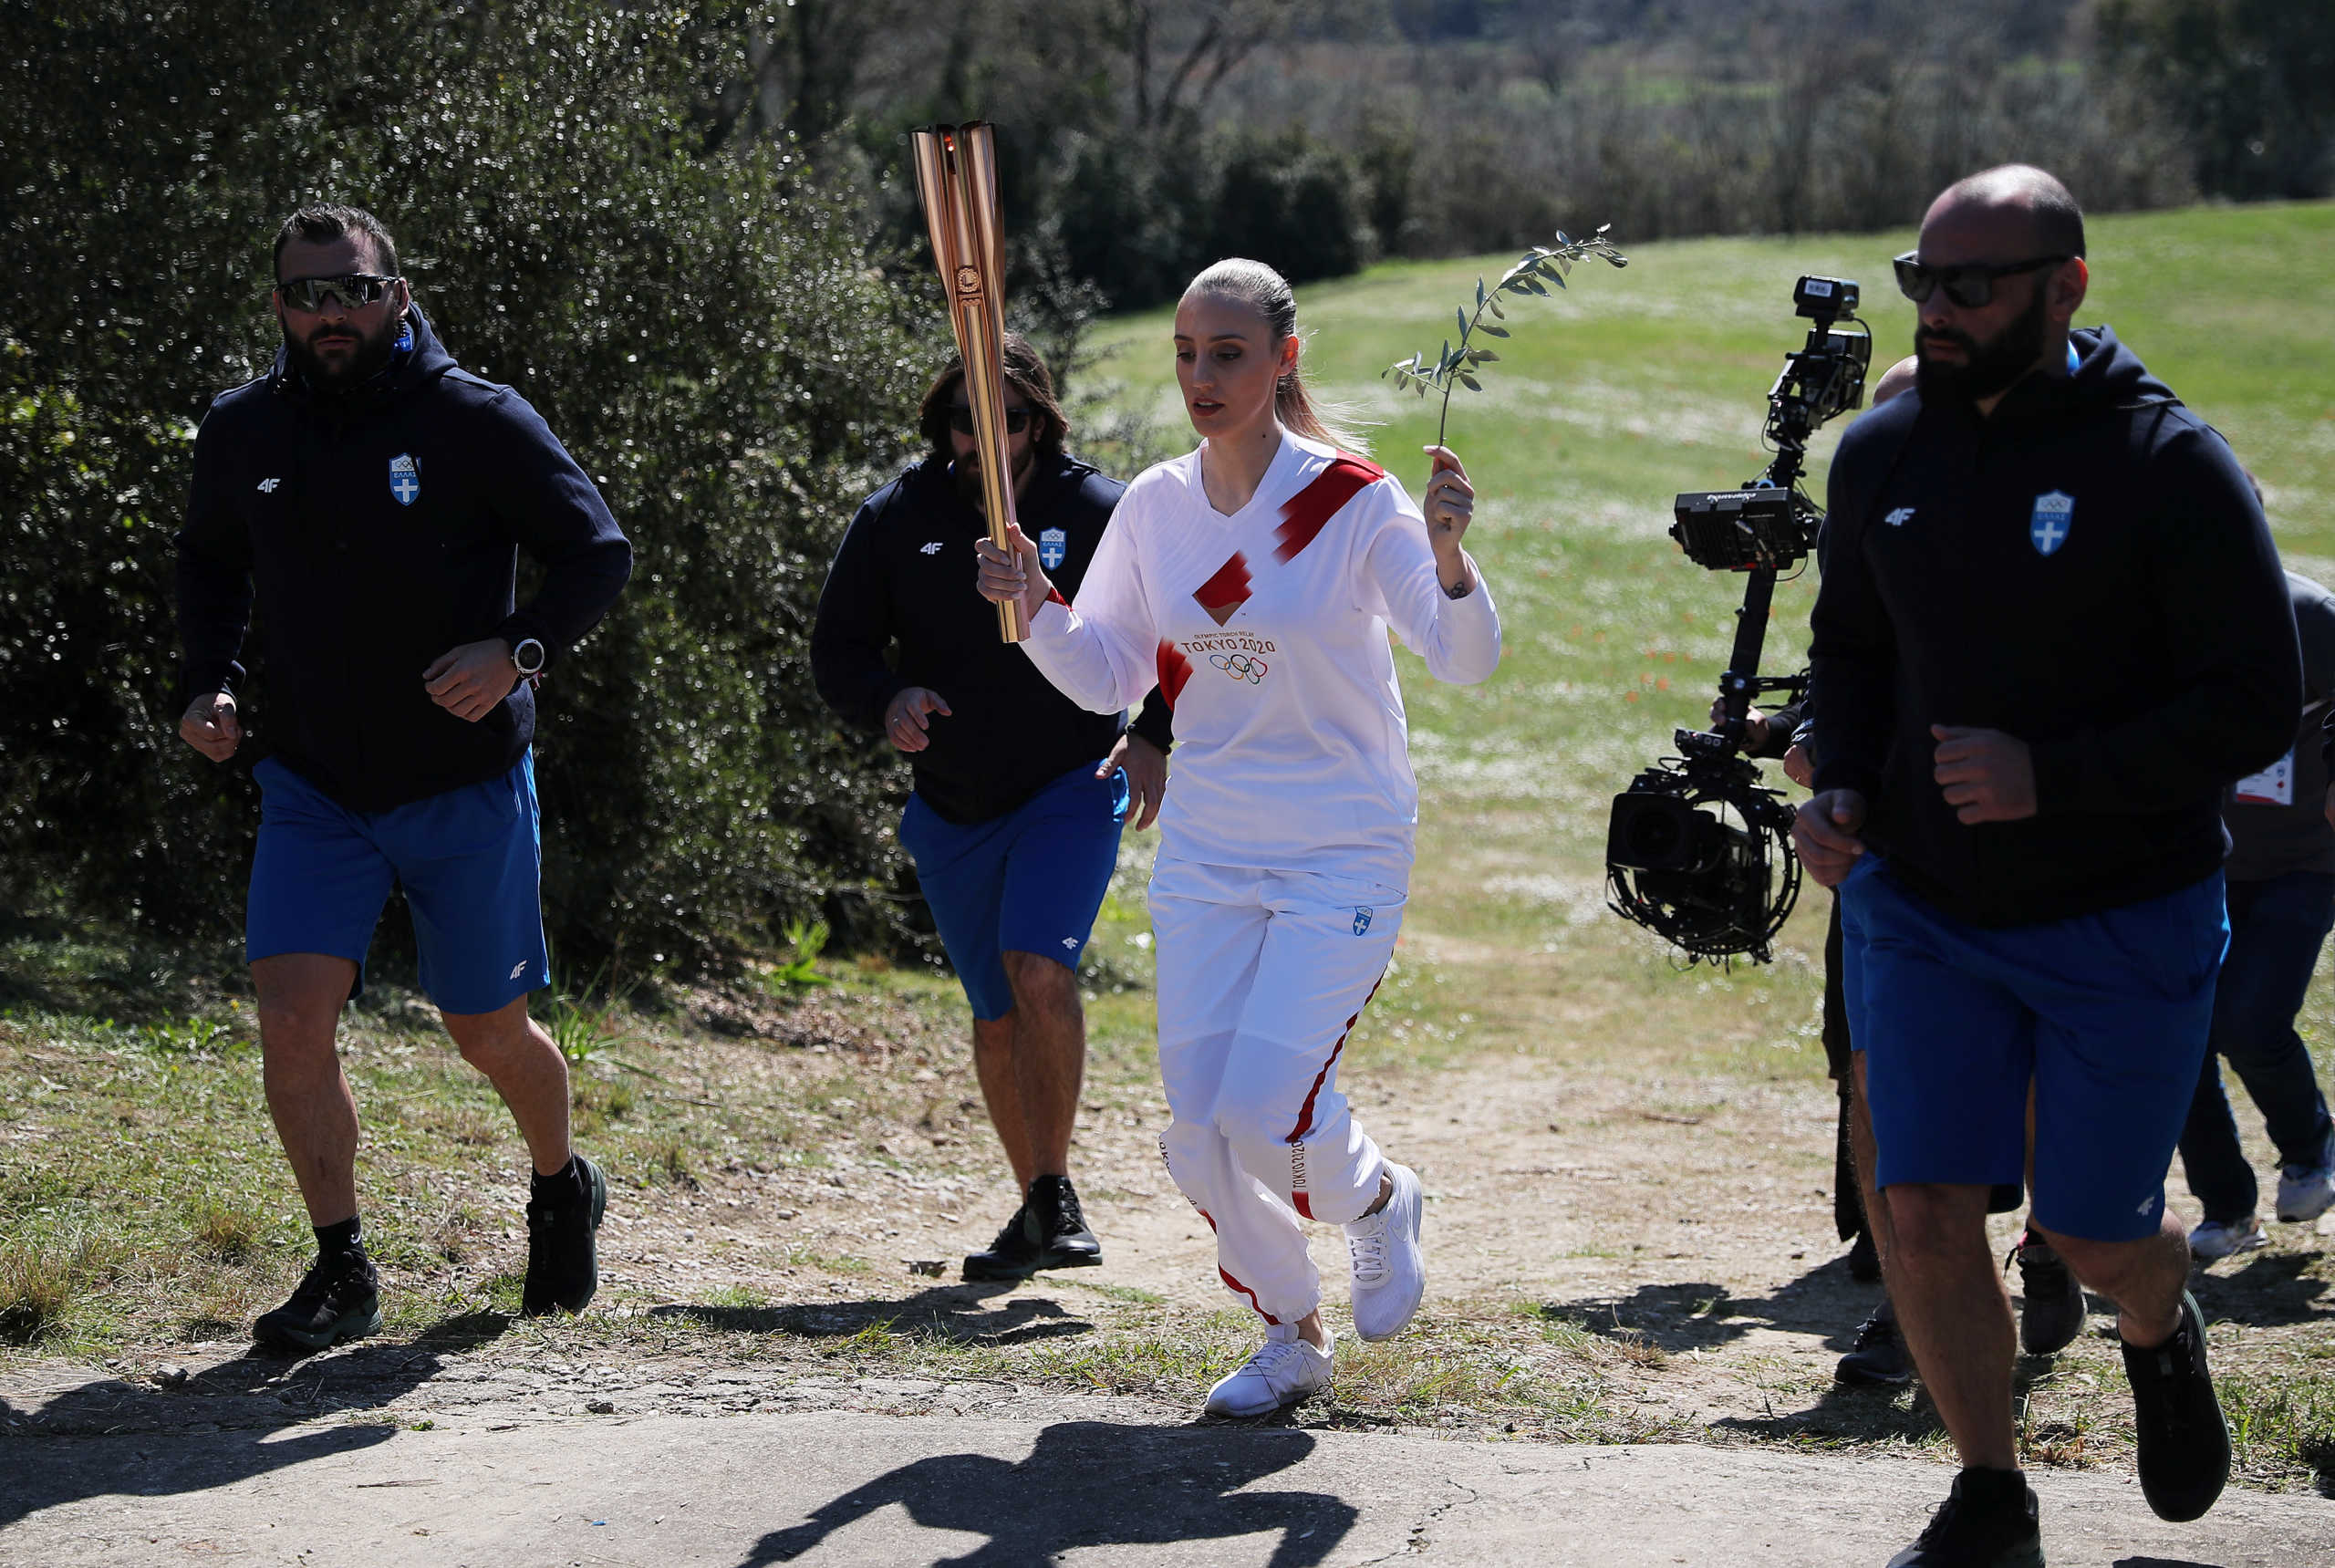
(528, 658)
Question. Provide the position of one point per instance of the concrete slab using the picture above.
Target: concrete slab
(830, 1488)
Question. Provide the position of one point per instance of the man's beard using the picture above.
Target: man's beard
(965, 473)
(1987, 369)
(370, 354)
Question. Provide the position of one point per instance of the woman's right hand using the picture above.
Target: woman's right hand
(1012, 576)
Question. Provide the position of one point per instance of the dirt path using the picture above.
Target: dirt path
(1614, 1256)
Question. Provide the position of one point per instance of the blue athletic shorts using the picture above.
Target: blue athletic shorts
(1029, 881)
(470, 861)
(2106, 1013)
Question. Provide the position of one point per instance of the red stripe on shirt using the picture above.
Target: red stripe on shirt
(1174, 670)
(1309, 511)
(1305, 1112)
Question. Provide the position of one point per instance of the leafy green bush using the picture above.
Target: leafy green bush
(710, 337)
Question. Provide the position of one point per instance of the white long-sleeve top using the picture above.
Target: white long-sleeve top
(1267, 631)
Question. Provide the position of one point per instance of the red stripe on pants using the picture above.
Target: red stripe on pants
(1305, 1112)
(1245, 1291)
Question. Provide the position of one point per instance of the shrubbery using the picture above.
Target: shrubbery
(710, 337)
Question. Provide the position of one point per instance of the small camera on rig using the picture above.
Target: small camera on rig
(1824, 299)
(1826, 376)
(1698, 850)
(1768, 524)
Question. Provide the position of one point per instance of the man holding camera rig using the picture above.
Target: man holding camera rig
(2052, 626)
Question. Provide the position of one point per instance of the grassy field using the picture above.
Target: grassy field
(144, 1204)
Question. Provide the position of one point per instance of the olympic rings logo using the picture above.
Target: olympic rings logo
(1240, 666)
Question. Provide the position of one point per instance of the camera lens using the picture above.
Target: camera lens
(1655, 837)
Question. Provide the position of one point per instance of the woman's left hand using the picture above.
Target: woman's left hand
(1449, 505)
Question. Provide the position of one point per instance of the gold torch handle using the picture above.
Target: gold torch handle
(956, 176)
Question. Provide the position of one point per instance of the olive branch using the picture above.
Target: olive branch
(1533, 271)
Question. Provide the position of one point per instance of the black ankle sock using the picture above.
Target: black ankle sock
(561, 1187)
(345, 1242)
(1994, 1488)
(349, 1236)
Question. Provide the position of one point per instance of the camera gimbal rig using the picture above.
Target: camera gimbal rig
(1698, 851)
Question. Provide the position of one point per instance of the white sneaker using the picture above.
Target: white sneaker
(1285, 1371)
(2305, 1191)
(2219, 1239)
(1389, 1273)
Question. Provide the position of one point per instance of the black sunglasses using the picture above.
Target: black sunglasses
(960, 420)
(353, 290)
(1970, 285)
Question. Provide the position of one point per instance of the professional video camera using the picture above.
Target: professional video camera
(1698, 851)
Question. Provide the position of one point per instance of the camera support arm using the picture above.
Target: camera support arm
(1741, 679)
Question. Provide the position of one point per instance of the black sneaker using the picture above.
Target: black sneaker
(2051, 1305)
(1060, 1227)
(2183, 1441)
(563, 1244)
(338, 1299)
(1880, 1357)
(1013, 1256)
(1864, 1260)
(1048, 1232)
(1987, 1520)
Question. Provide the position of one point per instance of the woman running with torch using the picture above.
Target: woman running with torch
(1254, 581)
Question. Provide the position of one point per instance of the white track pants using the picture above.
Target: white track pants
(1262, 976)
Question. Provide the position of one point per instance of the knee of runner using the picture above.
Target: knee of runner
(2250, 1029)
(1256, 1130)
(485, 1039)
(1184, 1148)
(2107, 1267)
(291, 1031)
(1929, 1220)
(1037, 979)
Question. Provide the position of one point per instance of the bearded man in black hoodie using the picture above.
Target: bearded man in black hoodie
(371, 496)
(2053, 628)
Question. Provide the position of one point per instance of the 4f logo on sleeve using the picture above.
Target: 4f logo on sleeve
(1054, 547)
(2048, 524)
(405, 479)
(1362, 919)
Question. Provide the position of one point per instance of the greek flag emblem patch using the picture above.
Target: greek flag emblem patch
(405, 479)
(1054, 548)
(2048, 524)
(1362, 921)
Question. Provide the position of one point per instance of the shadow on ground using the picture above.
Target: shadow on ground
(1684, 1315)
(2273, 1290)
(1096, 1483)
(253, 1396)
(960, 1314)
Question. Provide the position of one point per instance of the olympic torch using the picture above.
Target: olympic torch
(956, 176)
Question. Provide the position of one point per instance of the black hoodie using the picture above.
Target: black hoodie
(2086, 570)
(381, 529)
(899, 609)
